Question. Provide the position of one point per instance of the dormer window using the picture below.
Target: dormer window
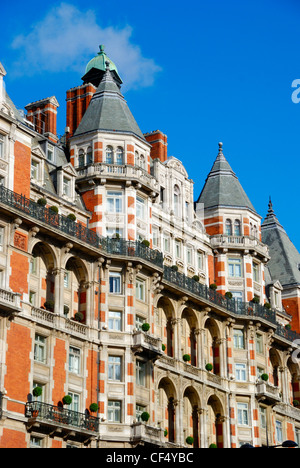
(50, 154)
(35, 169)
(66, 187)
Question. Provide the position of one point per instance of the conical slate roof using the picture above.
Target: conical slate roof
(285, 259)
(222, 187)
(108, 111)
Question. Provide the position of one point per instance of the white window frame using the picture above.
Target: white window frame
(114, 201)
(116, 280)
(243, 414)
(114, 411)
(141, 373)
(115, 368)
(235, 269)
(240, 372)
(238, 339)
(40, 348)
(74, 360)
(140, 208)
(115, 320)
(140, 290)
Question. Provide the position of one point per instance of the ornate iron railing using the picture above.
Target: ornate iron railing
(78, 231)
(60, 415)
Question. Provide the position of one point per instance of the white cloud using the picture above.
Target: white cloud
(67, 38)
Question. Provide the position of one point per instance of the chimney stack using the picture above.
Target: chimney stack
(43, 116)
(159, 144)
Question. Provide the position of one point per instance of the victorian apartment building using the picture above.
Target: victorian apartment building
(131, 314)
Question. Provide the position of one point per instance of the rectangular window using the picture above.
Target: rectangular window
(189, 255)
(40, 348)
(139, 411)
(115, 285)
(263, 417)
(50, 154)
(243, 414)
(200, 260)
(114, 368)
(240, 373)
(33, 265)
(32, 298)
(155, 237)
(140, 208)
(114, 202)
(178, 249)
(114, 233)
(235, 267)
(259, 344)
(114, 411)
(141, 290)
(141, 373)
(74, 405)
(74, 360)
(255, 272)
(66, 187)
(1, 146)
(66, 279)
(115, 321)
(1, 238)
(238, 339)
(36, 442)
(139, 322)
(166, 243)
(34, 170)
(279, 432)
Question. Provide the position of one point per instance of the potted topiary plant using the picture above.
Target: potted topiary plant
(163, 347)
(145, 327)
(93, 407)
(79, 316)
(186, 357)
(213, 286)
(66, 310)
(209, 367)
(42, 201)
(267, 305)
(145, 416)
(196, 278)
(49, 305)
(146, 243)
(174, 267)
(213, 446)
(37, 391)
(296, 403)
(288, 327)
(54, 209)
(71, 217)
(264, 377)
(166, 433)
(189, 440)
(228, 294)
(255, 300)
(67, 400)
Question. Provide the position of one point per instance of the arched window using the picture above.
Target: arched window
(81, 158)
(142, 162)
(228, 227)
(109, 155)
(89, 156)
(137, 159)
(176, 201)
(119, 157)
(237, 228)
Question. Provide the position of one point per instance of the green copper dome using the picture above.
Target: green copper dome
(98, 62)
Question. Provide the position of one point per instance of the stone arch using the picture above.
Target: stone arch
(212, 348)
(166, 317)
(76, 281)
(215, 421)
(167, 406)
(276, 364)
(191, 408)
(293, 380)
(189, 325)
(43, 262)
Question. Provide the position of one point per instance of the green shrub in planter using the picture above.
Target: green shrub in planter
(288, 327)
(264, 377)
(54, 209)
(189, 440)
(213, 286)
(174, 267)
(145, 327)
(163, 347)
(93, 407)
(42, 201)
(186, 357)
(166, 433)
(228, 295)
(255, 300)
(267, 305)
(49, 305)
(209, 367)
(37, 391)
(145, 416)
(296, 403)
(79, 316)
(196, 278)
(67, 400)
(213, 446)
(146, 243)
(72, 217)
(66, 310)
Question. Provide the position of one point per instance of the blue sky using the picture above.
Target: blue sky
(201, 72)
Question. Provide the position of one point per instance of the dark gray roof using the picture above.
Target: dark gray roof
(108, 111)
(285, 259)
(222, 187)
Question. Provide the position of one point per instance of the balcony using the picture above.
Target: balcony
(117, 172)
(240, 243)
(61, 422)
(147, 345)
(9, 303)
(58, 224)
(142, 433)
(267, 393)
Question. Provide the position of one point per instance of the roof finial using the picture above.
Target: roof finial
(107, 65)
(270, 205)
(220, 148)
(101, 47)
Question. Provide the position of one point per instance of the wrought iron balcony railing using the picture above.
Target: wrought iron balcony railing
(62, 223)
(248, 309)
(61, 416)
